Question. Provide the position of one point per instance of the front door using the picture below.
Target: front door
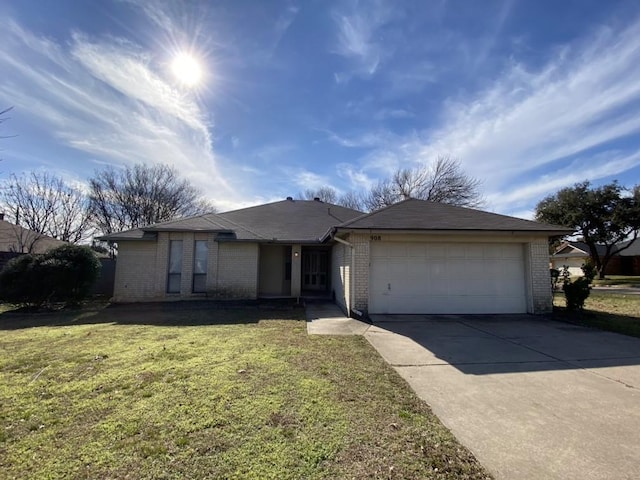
(314, 270)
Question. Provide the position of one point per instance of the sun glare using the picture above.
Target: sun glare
(187, 69)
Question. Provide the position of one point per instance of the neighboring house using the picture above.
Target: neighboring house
(628, 261)
(16, 239)
(575, 254)
(412, 257)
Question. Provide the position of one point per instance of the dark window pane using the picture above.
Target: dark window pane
(173, 285)
(199, 283)
(200, 256)
(175, 256)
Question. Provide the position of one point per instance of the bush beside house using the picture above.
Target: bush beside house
(64, 274)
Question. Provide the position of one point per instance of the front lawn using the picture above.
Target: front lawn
(190, 391)
(608, 311)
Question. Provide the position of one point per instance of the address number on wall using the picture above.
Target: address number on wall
(375, 238)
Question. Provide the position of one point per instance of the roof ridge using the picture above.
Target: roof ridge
(365, 215)
(174, 220)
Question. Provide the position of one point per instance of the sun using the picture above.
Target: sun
(187, 69)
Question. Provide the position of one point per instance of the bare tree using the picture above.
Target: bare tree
(45, 204)
(353, 200)
(26, 240)
(325, 194)
(381, 195)
(442, 181)
(141, 195)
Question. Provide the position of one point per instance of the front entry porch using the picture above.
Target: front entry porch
(297, 271)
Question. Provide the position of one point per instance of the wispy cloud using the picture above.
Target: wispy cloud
(105, 97)
(357, 25)
(363, 140)
(559, 118)
(307, 179)
(357, 180)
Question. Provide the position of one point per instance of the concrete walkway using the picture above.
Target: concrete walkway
(617, 290)
(327, 319)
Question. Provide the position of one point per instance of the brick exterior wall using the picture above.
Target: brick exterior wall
(539, 280)
(141, 269)
(237, 270)
(360, 282)
(135, 272)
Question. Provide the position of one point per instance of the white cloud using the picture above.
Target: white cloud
(106, 98)
(306, 179)
(532, 122)
(364, 140)
(123, 67)
(356, 37)
(593, 167)
(357, 179)
(533, 119)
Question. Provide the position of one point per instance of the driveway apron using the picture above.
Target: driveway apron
(532, 398)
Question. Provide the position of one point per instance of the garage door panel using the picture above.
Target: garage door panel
(456, 251)
(416, 250)
(435, 250)
(447, 278)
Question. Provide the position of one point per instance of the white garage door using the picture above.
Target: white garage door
(447, 278)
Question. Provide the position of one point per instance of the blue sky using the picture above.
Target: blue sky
(530, 96)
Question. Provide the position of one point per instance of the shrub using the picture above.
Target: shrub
(18, 280)
(73, 270)
(555, 277)
(64, 274)
(577, 291)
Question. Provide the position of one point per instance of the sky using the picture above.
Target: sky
(529, 96)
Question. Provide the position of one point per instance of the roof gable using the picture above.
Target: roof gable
(571, 248)
(413, 214)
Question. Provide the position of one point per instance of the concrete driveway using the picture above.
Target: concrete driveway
(532, 398)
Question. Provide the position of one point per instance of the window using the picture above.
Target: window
(175, 266)
(200, 254)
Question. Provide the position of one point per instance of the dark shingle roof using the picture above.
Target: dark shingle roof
(632, 251)
(415, 214)
(134, 234)
(286, 221)
(567, 249)
(309, 221)
(291, 220)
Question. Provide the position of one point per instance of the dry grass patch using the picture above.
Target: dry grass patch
(188, 391)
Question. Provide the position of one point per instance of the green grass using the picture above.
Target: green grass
(617, 280)
(188, 391)
(608, 311)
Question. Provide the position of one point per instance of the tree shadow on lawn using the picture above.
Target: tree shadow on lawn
(170, 314)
